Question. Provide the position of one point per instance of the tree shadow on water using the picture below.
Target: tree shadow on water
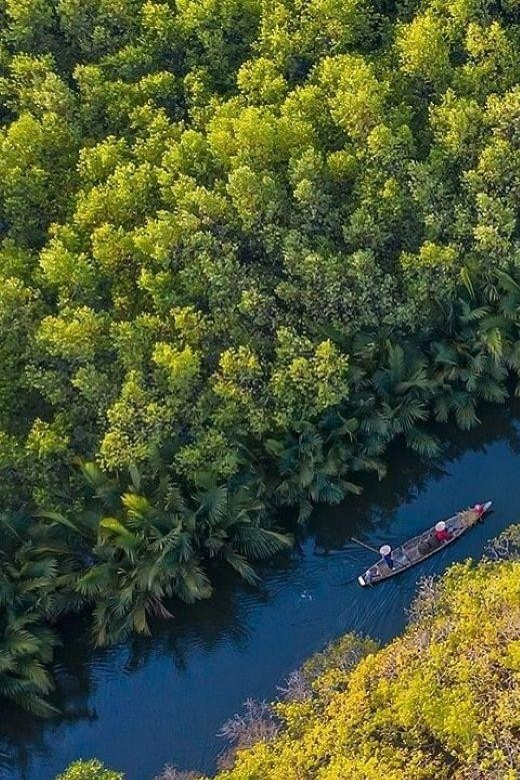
(229, 617)
(408, 475)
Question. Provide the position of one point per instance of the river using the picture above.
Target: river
(163, 700)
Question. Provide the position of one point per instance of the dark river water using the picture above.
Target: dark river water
(163, 700)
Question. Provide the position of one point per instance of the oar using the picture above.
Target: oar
(357, 541)
(367, 546)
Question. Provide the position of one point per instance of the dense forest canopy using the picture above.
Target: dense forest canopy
(245, 244)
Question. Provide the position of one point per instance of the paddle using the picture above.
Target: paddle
(398, 564)
(366, 546)
(357, 541)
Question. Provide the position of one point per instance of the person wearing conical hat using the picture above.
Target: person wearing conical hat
(386, 555)
(441, 532)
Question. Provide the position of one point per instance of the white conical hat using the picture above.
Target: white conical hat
(385, 549)
(440, 526)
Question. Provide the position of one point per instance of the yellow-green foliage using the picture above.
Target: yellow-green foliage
(441, 702)
(89, 770)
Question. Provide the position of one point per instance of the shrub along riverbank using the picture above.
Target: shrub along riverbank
(245, 246)
(441, 702)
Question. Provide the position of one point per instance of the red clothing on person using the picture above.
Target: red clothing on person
(442, 536)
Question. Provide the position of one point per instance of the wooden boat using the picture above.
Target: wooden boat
(423, 546)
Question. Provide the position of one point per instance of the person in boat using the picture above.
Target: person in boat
(386, 554)
(441, 532)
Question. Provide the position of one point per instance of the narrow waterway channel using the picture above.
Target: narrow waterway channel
(163, 700)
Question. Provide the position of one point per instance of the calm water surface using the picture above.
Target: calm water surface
(163, 700)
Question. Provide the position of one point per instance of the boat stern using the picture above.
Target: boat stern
(361, 580)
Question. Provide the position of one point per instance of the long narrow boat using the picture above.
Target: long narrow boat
(423, 546)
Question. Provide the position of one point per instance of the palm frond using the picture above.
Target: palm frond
(494, 340)
(441, 408)
(376, 424)
(213, 503)
(351, 487)
(274, 447)
(135, 477)
(115, 526)
(465, 414)
(465, 277)
(304, 511)
(444, 353)
(365, 463)
(192, 584)
(473, 315)
(326, 491)
(61, 519)
(513, 358)
(422, 442)
(96, 580)
(409, 412)
(257, 543)
(139, 509)
(492, 391)
(240, 565)
(507, 282)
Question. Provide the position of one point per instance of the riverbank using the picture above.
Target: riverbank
(440, 702)
(245, 642)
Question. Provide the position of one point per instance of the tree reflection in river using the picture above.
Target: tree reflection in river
(408, 475)
(199, 667)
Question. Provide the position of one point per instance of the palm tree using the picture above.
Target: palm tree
(404, 388)
(142, 557)
(26, 648)
(234, 524)
(453, 369)
(151, 549)
(313, 465)
(40, 560)
(472, 363)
